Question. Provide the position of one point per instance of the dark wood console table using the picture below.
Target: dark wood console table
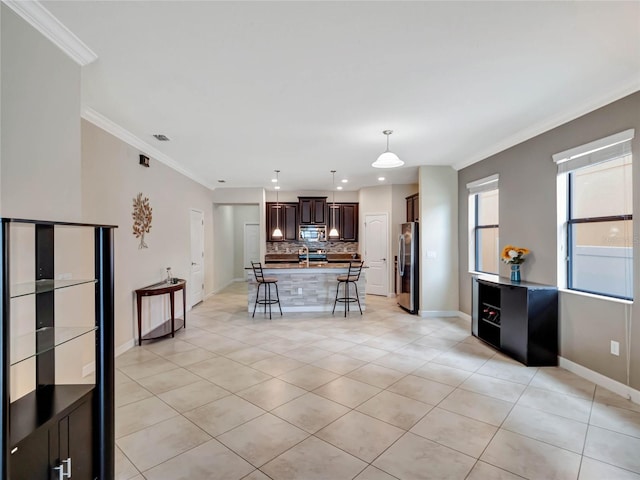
(170, 326)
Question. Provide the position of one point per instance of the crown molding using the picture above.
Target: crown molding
(549, 124)
(34, 13)
(126, 136)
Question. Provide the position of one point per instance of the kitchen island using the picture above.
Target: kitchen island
(307, 289)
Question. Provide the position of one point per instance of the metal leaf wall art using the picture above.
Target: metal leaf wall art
(142, 215)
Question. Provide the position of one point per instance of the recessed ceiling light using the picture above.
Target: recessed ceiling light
(277, 187)
(344, 180)
(381, 179)
(161, 137)
(222, 181)
(339, 187)
(274, 180)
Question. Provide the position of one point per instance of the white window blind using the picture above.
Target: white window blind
(592, 153)
(483, 185)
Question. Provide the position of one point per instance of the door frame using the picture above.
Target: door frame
(388, 232)
(201, 212)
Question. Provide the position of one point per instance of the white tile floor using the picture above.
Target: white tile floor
(385, 395)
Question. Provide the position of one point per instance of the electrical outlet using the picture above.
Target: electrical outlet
(299, 290)
(615, 348)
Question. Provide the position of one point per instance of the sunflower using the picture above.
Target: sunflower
(514, 255)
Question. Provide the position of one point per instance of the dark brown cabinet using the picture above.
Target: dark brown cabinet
(413, 208)
(63, 450)
(346, 221)
(284, 215)
(313, 210)
(520, 319)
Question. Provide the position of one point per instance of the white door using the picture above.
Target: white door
(195, 287)
(251, 243)
(376, 233)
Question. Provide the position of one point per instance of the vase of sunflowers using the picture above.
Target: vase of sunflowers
(514, 256)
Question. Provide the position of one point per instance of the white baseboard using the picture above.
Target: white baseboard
(124, 347)
(465, 316)
(440, 313)
(89, 368)
(605, 382)
(240, 280)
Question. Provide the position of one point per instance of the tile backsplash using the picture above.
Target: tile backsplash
(329, 247)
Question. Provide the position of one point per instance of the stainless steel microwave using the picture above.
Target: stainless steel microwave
(312, 233)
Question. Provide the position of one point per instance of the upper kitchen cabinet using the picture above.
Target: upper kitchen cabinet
(286, 218)
(313, 210)
(346, 221)
(413, 208)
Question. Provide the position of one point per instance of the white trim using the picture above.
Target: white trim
(440, 313)
(601, 380)
(484, 184)
(594, 146)
(465, 316)
(528, 133)
(88, 369)
(596, 296)
(218, 290)
(123, 134)
(124, 347)
(36, 15)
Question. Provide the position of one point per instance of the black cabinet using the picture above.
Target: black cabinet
(520, 319)
(313, 210)
(413, 208)
(56, 430)
(285, 216)
(346, 221)
(63, 448)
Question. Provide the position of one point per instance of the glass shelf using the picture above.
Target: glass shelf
(41, 286)
(24, 346)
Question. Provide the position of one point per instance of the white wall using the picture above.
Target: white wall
(223, 265)
(111, 178)
(242, 214)
(438, 240)
(40, 119)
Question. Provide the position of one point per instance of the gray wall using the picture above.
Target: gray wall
(528, 212)
(40, 125)
(111, 178)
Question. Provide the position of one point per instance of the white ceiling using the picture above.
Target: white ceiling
(243, 88)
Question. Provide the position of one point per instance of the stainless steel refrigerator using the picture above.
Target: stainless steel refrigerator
(408, 283)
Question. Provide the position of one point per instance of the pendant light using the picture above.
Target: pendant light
(334, 232)
(277, 232)
(387, 159)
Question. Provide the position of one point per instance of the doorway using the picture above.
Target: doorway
(196, 277)
(376, 241)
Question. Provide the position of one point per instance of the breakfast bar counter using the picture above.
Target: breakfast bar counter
(306, 289)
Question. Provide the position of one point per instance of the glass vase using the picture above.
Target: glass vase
(515, 273)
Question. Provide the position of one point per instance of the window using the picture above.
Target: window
(483, 222)
(599, 217)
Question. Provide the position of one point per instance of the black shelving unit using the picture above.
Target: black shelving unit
(518, 318)
(57, 429)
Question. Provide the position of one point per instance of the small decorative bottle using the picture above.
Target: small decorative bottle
(169, 275)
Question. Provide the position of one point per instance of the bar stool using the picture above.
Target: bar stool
(352, 276)
(267, 282)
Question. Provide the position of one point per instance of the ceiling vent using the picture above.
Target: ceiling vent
(160, 137)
